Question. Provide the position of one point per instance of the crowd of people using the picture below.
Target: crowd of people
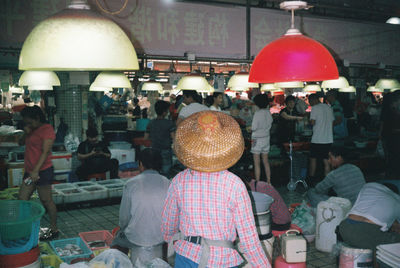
(206, 202)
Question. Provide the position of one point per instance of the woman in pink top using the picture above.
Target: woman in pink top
(38, 138)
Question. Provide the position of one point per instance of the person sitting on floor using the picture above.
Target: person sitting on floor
(140, 210)
(208, 204)
(374, 219)
(281, 218)
(95, 157)
(345, 179)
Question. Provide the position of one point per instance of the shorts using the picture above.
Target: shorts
(260, 145)
(46, 176)
(320, 150)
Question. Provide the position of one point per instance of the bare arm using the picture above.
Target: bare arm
(82, 157)
(290, 117)
(395, 227)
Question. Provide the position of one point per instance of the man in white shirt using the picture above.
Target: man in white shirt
(374, 218)
(190, 98)
(321, 117)
(140, 210)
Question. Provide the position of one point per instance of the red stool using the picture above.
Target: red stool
(280, 263)
(96, 176)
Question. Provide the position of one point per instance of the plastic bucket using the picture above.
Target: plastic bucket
(263, 222)
(355, 257)
(26, 259)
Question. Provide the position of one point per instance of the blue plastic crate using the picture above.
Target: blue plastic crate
(87, 253)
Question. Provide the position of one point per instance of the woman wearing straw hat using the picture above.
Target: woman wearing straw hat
(207, 203)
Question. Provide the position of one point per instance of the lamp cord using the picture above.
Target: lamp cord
(292, 26)
(114, 12)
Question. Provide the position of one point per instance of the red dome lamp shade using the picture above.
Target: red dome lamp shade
(293, 57)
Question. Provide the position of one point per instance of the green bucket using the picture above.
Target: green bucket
(17, 218)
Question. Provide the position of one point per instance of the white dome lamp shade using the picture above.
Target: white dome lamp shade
(77, 39)
(293, 84)
(374, 89)
(312, 88)
(341, 82)
(393, 20)
(39, 80)
(95, 88)
(268, 87)
(112, 80)
(350, 89)
(193, 82)
(152, 86)
(386, 83)
(240, 82)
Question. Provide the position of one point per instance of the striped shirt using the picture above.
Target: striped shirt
(279, 211)
(213, 205)
(347, 181)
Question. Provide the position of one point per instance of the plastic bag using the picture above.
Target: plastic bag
(304, 217)
(71, 142)
(75, 265)
(154, 263)
(111, 258)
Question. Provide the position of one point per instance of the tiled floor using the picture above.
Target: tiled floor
(104, 216)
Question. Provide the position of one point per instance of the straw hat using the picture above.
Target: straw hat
(209, 141)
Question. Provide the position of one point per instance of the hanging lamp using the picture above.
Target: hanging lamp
(112, 80)
(268, 87)
(293, 57)
(39, 80)
(374, 89)
(77, 39)
(340, 82)
(152, 86)
(293, 84)
(349, 89)
(193, 81)
(240, 82)
(312, 88)
(386, 83)
(95, 88)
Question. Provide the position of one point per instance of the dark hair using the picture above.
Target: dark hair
(135, 101)
(340, 151)
(33, 112)
(261, 100)
(289, 98)
(190, 94)
(216, 94)
(391, 186)
(91, 132)
(208, 101)
(150, 159)
(313, 97)
(161, 107)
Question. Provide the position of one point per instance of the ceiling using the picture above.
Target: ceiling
(365, 10)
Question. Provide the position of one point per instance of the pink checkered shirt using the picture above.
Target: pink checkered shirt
(279, 210)
(212, 205)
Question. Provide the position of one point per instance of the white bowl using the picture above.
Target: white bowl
(261, 202)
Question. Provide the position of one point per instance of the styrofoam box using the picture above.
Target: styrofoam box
(109, 182)
(80, 184)
(114, 190)
(123, 155)
(74, 195)
(58, 197)
(63, 186)
(61, 175)
(95, 192)
(61, 161)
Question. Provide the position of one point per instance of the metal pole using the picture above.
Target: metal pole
(248, 28)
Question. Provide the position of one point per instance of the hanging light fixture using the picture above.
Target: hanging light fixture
(77, 39)
(152, 86)
(374, 89)
(277, 92)
(293, 57)
(340, 82)
(394, 89)
(393, 20)
(312, 88)
(349, 89)
(240, 82)
(193, 81)
(16, 90)
(293, 84)
(112, 80)
(99, 88)
(268, 87)
(386, 83)
(39, 80)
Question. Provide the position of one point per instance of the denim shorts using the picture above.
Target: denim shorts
(46, 176)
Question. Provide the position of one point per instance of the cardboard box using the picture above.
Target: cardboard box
(15, 176)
